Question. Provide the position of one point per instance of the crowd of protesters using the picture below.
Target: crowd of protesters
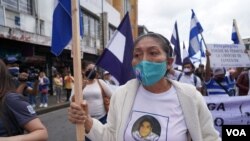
(183, 114)
(33, 84)
(213, 81)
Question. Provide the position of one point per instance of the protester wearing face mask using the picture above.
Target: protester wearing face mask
(187, 75)
(220, 83)
(92, 93)
(12, 64)
(178, 109)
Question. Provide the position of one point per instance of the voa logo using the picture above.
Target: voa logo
(236, 132)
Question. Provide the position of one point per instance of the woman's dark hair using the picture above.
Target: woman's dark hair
(146, 120)
(6, 82)
(165, 44)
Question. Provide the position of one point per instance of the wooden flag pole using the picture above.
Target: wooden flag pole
(80, 129)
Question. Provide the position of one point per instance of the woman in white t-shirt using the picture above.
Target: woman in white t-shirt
(92, 93)
(176, 110)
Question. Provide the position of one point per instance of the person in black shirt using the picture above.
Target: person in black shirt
(16, 114)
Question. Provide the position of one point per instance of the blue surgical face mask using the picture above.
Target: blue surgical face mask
(14, 71)
(148, 73)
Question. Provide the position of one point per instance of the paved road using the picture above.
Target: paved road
(58, 126)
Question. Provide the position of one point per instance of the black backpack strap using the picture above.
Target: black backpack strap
(195, 80)
(179, 77)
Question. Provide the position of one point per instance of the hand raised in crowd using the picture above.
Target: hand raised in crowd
(208, 53)
(23, 76)
(78, 114)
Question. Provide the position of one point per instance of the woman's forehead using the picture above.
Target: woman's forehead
(148, 42)
(90, 66)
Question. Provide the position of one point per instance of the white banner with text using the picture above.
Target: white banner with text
(228, 55)
(227, 110)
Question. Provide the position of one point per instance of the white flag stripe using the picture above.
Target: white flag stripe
(193, 24)
(117, 45)
(195, 44)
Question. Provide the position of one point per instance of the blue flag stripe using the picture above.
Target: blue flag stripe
(176, 42)
(235, 37)
(62, 26)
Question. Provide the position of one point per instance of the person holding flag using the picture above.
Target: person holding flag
(179, 110)
(218, 83)
(93, 92)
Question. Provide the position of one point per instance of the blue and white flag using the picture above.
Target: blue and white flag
(235, 34)
(118, 54)
(62, 26)
(234, 37)
(176, 42)
(195, 30)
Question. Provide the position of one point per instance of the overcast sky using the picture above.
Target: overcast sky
(216, 17)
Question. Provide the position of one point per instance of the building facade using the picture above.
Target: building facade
(247, 43)
(26, 29)
(26, 26)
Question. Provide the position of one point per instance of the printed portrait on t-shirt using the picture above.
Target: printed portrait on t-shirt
(146, 128)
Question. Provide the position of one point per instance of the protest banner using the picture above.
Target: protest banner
(229, 110)
(228, 55)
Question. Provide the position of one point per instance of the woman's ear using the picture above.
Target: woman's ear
(170, 61)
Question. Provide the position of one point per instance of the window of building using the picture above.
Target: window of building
(23, 6)
(111, 31)
(1, 16)
(11, 4)
(85, 24)
(91, 30)
(92, 27)
(247, 46)
(42, 27)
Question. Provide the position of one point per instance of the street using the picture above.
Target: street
(58, 126)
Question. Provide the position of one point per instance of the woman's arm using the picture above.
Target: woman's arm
(208, 131)
(36, 132)
(106, 88)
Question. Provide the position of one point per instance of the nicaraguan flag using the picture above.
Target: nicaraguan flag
(235, 37)
(195, 30)
(118, 54)
(176, 42)
(62, 26)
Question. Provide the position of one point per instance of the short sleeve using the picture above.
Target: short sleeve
(198, 83)
(106, 88)
(176, 74)
(21, 109)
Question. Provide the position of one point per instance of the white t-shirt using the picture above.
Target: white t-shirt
(156, 117)
(93, 95)
(188, 79)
